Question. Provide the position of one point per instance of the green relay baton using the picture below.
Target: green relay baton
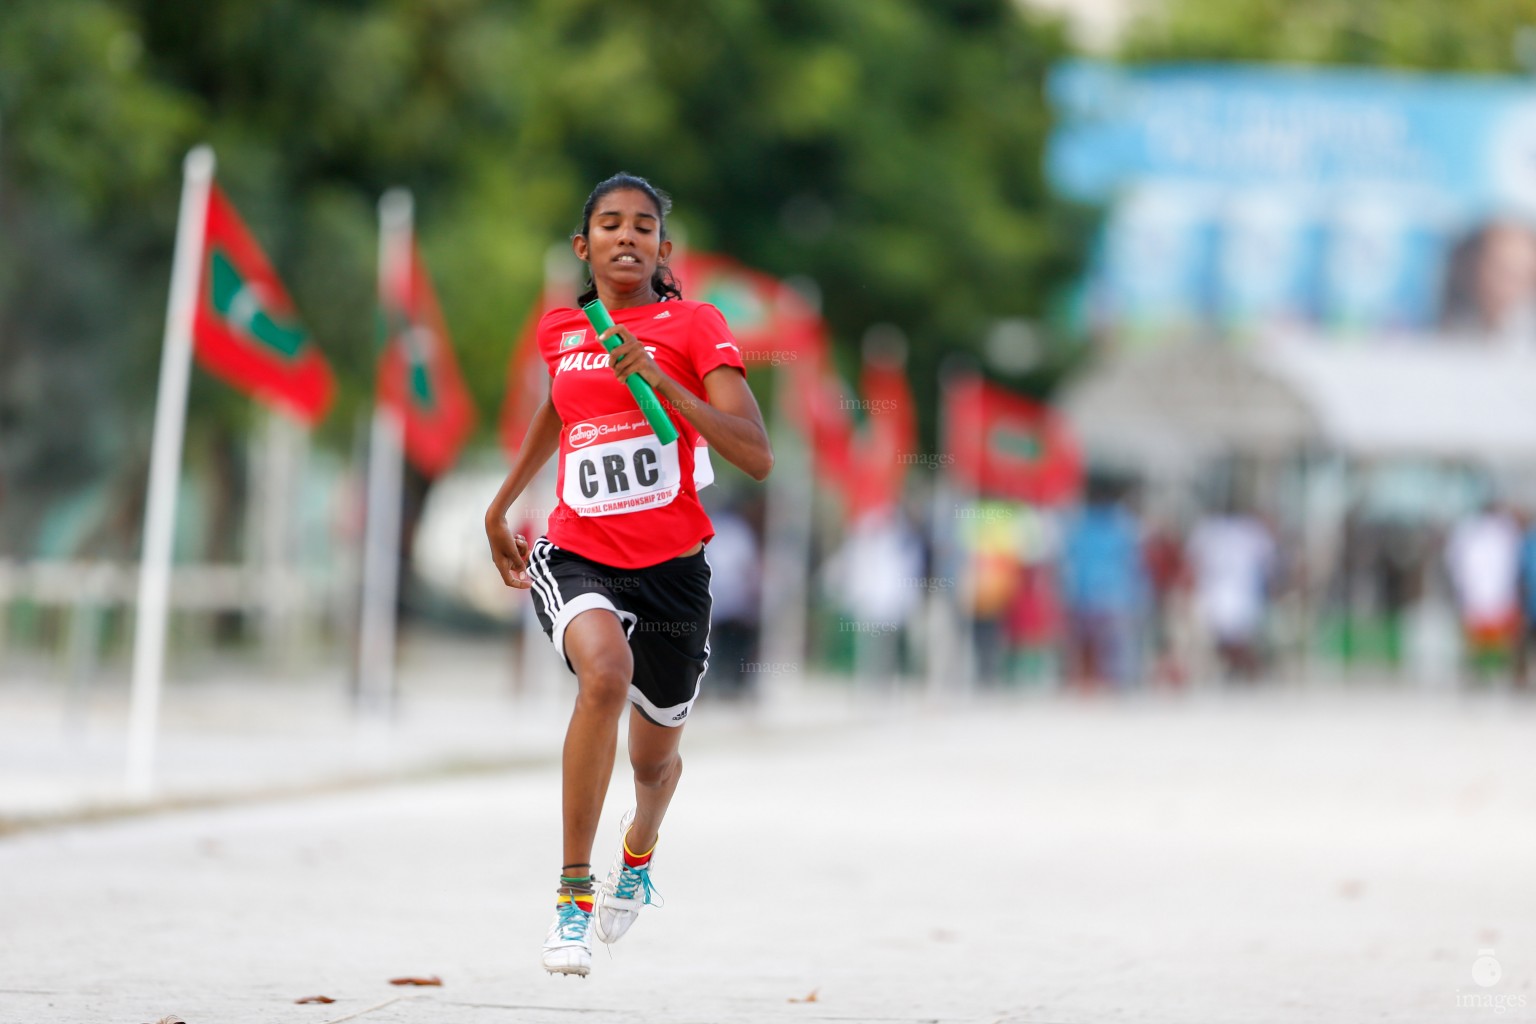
(655, 415)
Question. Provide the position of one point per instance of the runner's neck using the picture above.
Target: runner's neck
(614, 302)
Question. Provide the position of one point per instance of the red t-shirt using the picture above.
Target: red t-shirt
(626, 500)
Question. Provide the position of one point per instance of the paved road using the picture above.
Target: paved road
(1277, 857)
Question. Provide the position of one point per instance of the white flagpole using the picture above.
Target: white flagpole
(277, 476)
(943, 642)
(786, 582)
(165, 474)
(786, 561)
(381, 527)
(969, 496)
(951, 627)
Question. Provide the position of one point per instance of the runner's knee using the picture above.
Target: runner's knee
(655, 771)
(603, 680)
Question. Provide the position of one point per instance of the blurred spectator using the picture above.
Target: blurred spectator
(1231, 558)
(1168, 574)
(1527, 601)
(1103, 588)
(735, 583)
(1396, 571)
(877, 578)
(993, 581)
(1033, 620)
(1482, 555)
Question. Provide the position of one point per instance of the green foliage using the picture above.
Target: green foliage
(83, 121)
(1470, 35)
(890, 150)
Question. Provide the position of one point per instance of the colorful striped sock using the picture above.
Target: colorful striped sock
(577, 889)
(637, 860)
(584, 900)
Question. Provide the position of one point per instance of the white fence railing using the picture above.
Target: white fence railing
(284, 602)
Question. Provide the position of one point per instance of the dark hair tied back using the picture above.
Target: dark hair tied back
(662, 281)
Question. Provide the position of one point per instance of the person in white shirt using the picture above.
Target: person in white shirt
(1231, 558)
(735, 584)
(1482, 556)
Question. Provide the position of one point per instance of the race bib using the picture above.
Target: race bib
(616, 464)
(703, 469)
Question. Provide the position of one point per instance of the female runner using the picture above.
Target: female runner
(619, 581)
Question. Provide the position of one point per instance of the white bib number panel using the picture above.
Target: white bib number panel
(615, 464)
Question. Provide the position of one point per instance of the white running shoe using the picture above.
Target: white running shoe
(568, 946)
(623, 893)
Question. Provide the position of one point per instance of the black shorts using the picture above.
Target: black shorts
(664, 610)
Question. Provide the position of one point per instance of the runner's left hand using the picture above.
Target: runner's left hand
(510, 553)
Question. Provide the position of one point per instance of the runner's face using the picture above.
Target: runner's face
(623, 242)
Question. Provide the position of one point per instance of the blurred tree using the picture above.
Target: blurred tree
(1472, 35)
(88, 143)
(889, 150)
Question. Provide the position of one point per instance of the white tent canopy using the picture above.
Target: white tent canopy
(1166, 409)
(1444, 399)
(1171, 407)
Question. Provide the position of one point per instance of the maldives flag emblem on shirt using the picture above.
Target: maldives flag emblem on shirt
(418, 375)
(245, 329)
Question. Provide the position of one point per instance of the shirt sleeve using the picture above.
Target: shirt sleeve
(710, 344)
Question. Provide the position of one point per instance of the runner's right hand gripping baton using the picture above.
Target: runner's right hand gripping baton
(655, 415)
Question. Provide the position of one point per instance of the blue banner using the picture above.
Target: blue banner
(1468, 138)
(1354, 200)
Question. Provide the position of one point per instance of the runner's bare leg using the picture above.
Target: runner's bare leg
(598, 650)
(658, 767)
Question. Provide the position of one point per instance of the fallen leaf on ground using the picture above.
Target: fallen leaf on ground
(315, 999)
(808, 999)
(170, 1020)
(433, 980)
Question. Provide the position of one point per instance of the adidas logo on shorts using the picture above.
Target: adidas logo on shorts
(680, 715)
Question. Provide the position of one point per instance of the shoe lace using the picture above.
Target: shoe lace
(632, 879)
(573, 921)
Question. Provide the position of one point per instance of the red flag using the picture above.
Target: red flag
(888, 440)
(764, 313)
(776, 327)
(1008, 446)
(245, 329)
(527, 378)
(418, 375)
(820, 403)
